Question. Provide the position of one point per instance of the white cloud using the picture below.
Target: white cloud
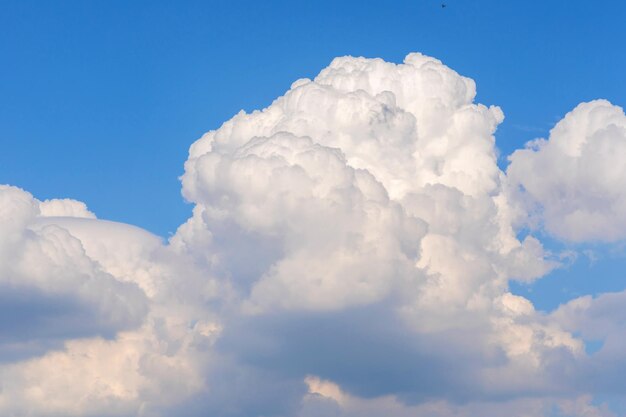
(349, 254)
(366, 198)
(340, 176)
(574, 183)
(64, 208)
(96, 319)
(53, 288)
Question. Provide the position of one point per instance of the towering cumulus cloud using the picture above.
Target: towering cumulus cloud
(349, 254)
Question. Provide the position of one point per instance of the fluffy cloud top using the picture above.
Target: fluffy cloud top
(349, 254)
(574, 183)
(64, 208)
(369, 196)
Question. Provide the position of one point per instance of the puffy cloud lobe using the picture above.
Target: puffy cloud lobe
(64, 208)
(574, 182)
(334, 155)
(51, 289)
(409, 125)
(331, 221)
(95, 317)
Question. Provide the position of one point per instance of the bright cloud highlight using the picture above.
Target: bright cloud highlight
(574, 183)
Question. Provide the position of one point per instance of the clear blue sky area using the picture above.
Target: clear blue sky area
(99, 100)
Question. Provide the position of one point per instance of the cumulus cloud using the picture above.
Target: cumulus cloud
(96, 319)
(349, 254)
(51, 290)
(574, 183)
(371, 203)
(64, 207)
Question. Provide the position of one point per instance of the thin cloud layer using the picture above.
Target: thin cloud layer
(349, 254)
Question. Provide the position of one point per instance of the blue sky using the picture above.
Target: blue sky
(100, 101)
